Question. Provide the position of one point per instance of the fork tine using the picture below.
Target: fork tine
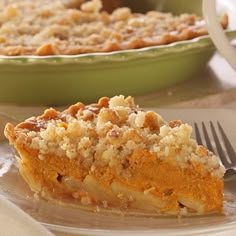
(208, 140)
(218, 146)
(197, 134)
(228, 146)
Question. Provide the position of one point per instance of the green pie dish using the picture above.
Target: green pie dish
(60, 80)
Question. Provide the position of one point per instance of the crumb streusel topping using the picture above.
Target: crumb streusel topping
(111, 131)
(43, 27)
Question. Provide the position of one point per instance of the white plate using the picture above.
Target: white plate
(14, 222)
(70, 220)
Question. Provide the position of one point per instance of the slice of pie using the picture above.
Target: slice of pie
(114, 154)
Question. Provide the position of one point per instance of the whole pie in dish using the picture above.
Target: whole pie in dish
(56, 27)
(115, 154)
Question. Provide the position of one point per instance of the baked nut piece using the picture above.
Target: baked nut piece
(56, 27)
(107, 5)
(114, 154)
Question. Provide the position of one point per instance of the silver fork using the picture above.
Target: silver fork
(219, 143)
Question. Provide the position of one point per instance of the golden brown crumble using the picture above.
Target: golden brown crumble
(110, 130)
(43, 27)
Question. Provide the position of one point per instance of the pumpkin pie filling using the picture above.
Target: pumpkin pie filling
(115, 154)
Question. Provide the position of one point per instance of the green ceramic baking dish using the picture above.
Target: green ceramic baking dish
(60, 80)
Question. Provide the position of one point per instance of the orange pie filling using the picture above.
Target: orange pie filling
(114, 154)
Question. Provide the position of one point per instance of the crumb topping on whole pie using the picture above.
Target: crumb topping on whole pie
(43, 27)
(116, 154)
